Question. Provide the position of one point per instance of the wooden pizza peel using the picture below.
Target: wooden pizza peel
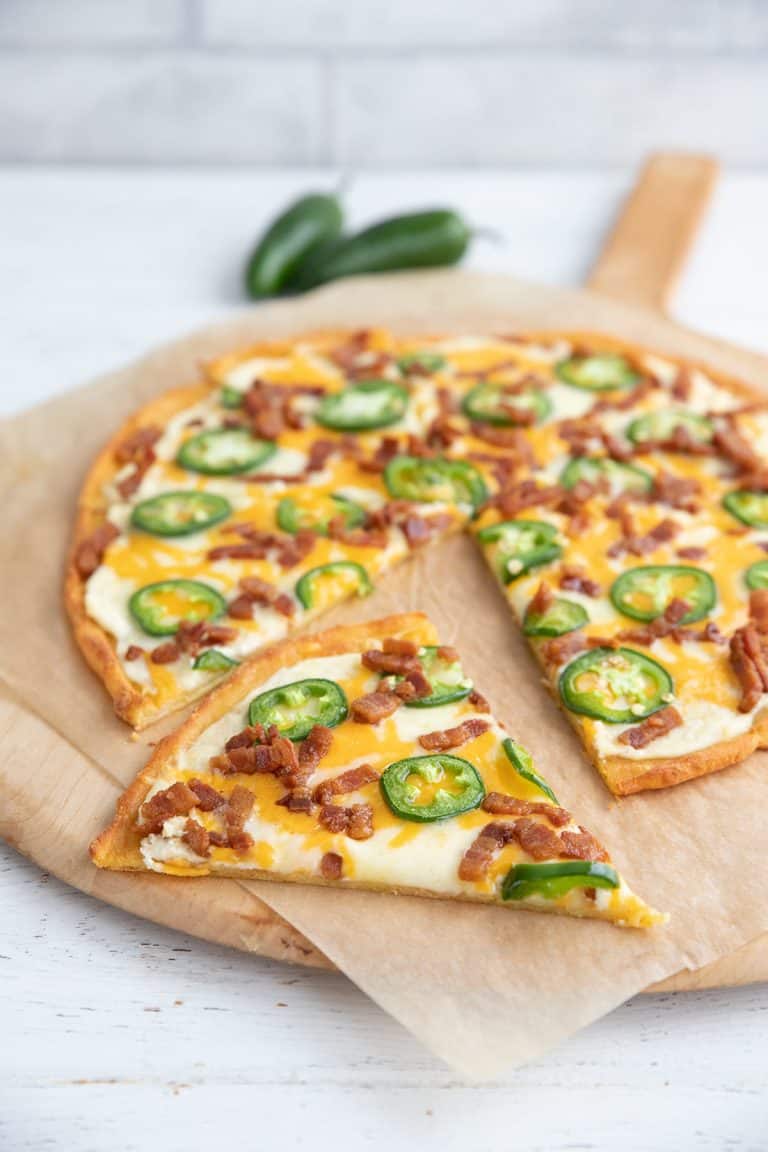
(626, 292)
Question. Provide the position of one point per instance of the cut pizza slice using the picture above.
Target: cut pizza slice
(363, 757)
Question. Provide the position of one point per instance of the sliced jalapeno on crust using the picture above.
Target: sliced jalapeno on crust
(616, 685)
(499, 404)
(428, 788)
(556, 879)
(663, 424)
(446, 679)
(437, 478)
(422, 362)
(644, 593)
(160, 608)
(224, 452)
(603, 372)
(369, 404)
(214, 661)
(328, 583)
(519, 545)
(295, 708)
(621, 477)
(316, 515)
(180, 513)
(756, 576)
(562, 616)
(749, 507)
(522, 762)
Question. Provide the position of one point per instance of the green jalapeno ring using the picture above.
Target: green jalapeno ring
(756, 576)
(180, 513)
(562, 616)
(621, 477)
(306, 584)
(291, 517)
(748, 506)
(155, 620)
(522, 762)
(662, 424)
(624, 671)
(402, 796)
(556, 879)
(602, 372)
(655, 582)
(430, 479)
(212, 660)
(523, 544)
(443, 692)
(363, 406)
(425, 361)
(224, 452)
(296, 708)
(484, 404)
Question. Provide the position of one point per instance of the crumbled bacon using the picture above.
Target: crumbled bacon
(749, 659)
(668, 624)
(415, 686)
(388, 662)
(356, 821)
(526, 494)
(731, 444)
(683, 384)
(166, 653)
(447, 653)
(655, 726)
(479, 856)
(254, 590)
(297, 800)
(196, 837)
(661, 533)
(677, 491)
(350, 781)
(176, 800)
(575, 579)
(581, 845)
(374, 707)
(132, 652)
(419, 530)
(537, 839)
(386, 450)
(758, 608)
(138, 451)
(270, 752)
(560, 649)
(238, 809)
(208, 799)
(90, 551)
(331, 866)
(454, 737)
(315, 745)
(400, 646)
(478, 701)
(542, 601)
(691, 553)
(499, 804)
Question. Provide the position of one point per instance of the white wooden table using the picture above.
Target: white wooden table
(116, 1034)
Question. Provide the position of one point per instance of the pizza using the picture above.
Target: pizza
(618, 495)
(363, 757)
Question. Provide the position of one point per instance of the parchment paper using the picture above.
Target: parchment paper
(483, 987)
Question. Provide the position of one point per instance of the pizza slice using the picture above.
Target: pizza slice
(363, 757)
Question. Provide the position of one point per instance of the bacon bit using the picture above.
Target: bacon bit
(711, 634)
(526, 494)
(542, 601)
(192, 637)
(758, 608)
(387, 449)
(196, 837)
(662, 533)
(676, 491)
(254, 590)
(668, 624)
(239, 841)
(419, 529)
(501, 805)
(749, 659)
(251, 734)
(405, 690)
(374, 707)
(731, 444)
(681, 439)
(177, 800)
(389, 662)
(218, 839)
(273, 753)
(575, 579)
(683, 384)
(482, 851)
(132, 652)
(239, 808)
(447, 653)
(315, 745)
(350, 781)
(691, 553)
(560, 649)
(137, 449)
(90, 551)
(357, 537)
(454, 737)
(442, 433)
(581, 845)
(251, 550)
(167, 653)
(415, 686)
(356, 821)
(624, 401)
(331, 866)
(582, 435)
(400, 646)
(615, 448)
(208, 799)
(639, 735)
(537, 839)
(297, 800)
(478, 701)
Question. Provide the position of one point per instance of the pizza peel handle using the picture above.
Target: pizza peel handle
(645, 252)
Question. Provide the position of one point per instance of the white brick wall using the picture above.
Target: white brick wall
(382, 83)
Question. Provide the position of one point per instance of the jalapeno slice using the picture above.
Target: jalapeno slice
(446, 678)
(663, 424)
(520, 546)
(497, 403)
(180, 513)
(224, 452)
(429, 479)
(160, 608)
(621, 477)
(328, 583)
(617, 685)
(756, 576)
(230, 397)
(556, 879)
(749, 507)
(522, 762)
(295, 708)
(644, 593)
(214, 661)
(422, 362)
(292, 517)
(429, 788)
(369, 404)
(562, 616)
(603, 372)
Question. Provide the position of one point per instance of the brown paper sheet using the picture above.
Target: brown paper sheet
(483, 987)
